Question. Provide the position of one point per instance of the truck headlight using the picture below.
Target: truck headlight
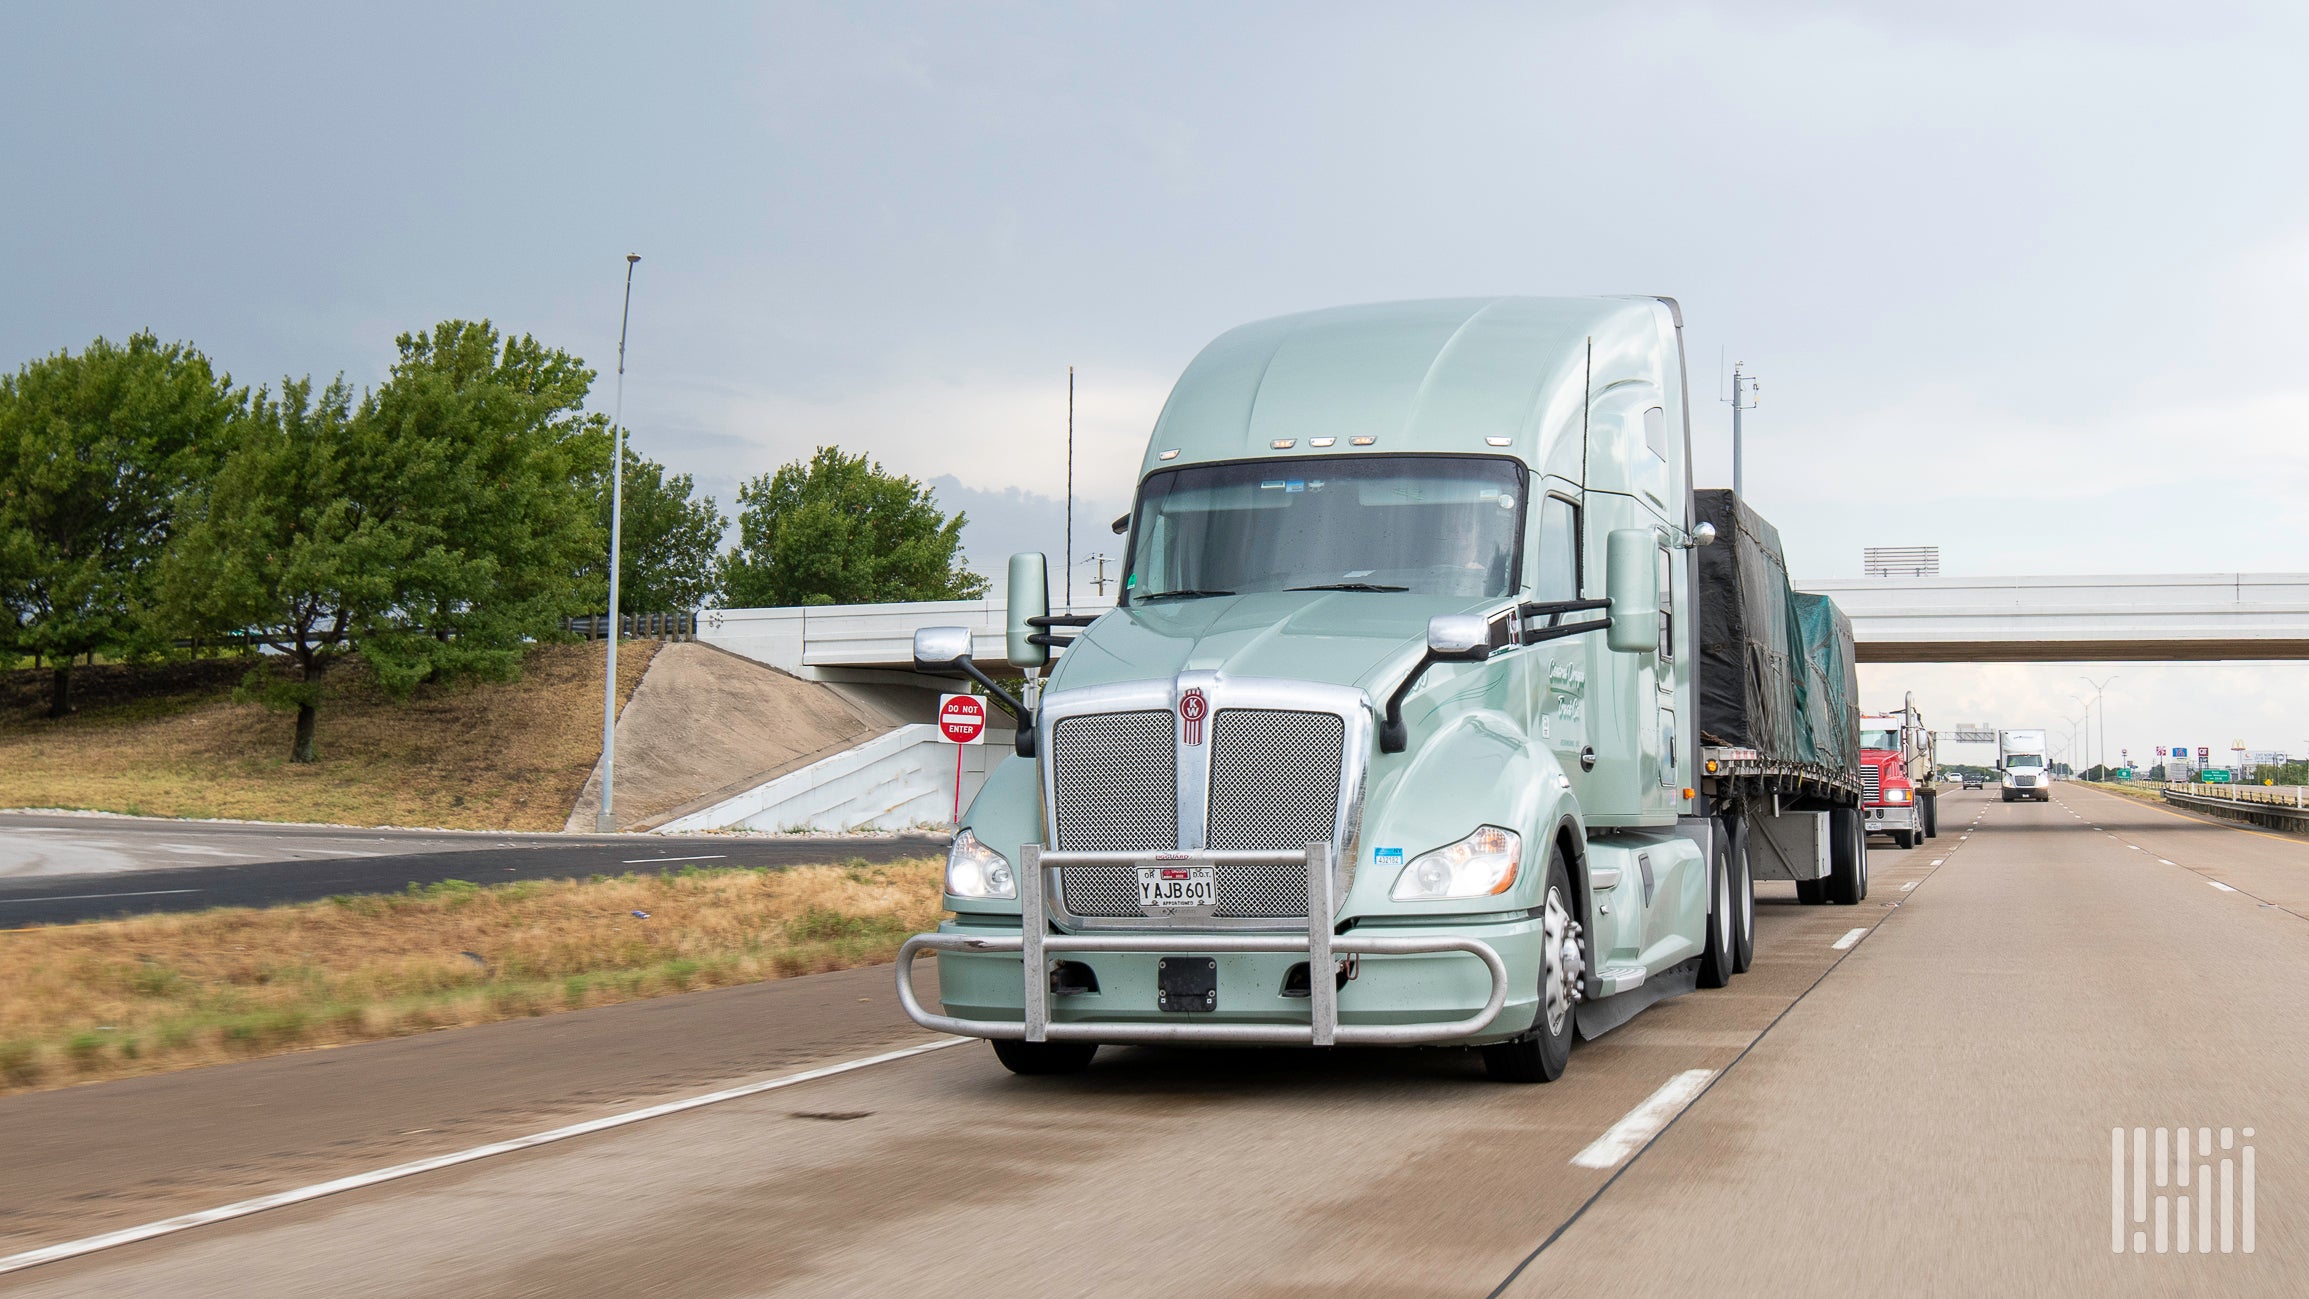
(974, 870)
(1896, 796)
(1480, 865)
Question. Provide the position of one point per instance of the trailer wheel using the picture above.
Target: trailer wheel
(1037, 1059)
(1743, 897)
(1932, 816)
(1540, 1055)
(1716, 961)
(1848, 860)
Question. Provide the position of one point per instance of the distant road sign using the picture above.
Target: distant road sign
(2214, 775)
(962, 719)
(2203, 755)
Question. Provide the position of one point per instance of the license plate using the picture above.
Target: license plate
(1175, 888)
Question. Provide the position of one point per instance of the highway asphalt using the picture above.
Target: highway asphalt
(56, 868)
(1922, 1106)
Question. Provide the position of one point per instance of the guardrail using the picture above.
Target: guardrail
(1318, 944)
(2278, 808)
(636, 626)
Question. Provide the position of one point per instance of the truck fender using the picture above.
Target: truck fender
(1006, 815)
(1476, 770)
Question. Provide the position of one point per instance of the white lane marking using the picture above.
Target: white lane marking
(2163, 862)
(1937, 860)
(2219, 885)
(2134, 846)
(643, 861)
(1850, 937)
(1624, 1138)
(1912, 883)
(224, 1213)
(87, 897)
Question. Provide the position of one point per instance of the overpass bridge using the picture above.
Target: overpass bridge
(2166, 617)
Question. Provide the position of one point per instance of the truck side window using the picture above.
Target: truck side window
(1557, 574)
(1656, 431)
(1667, 603)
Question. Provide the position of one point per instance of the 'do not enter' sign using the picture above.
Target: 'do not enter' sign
(962, 719)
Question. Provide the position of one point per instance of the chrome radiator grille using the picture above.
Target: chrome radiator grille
(1274, 783)
(1871, 782)
(1277, 890)
(1117, 784)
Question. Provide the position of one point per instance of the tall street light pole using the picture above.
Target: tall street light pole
(604, 821)
(2099, 689)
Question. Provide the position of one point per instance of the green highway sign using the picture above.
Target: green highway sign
(2124, 773)
(2214, 776)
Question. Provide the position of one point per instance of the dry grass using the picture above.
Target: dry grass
(112, 998)
(169, 741)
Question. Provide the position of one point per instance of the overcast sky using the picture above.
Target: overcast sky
(2026, 281)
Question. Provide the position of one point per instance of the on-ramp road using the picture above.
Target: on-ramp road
(56, 868)
(1926, 1106)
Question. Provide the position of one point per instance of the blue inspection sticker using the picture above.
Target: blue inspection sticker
(1295, 485)
(1386, 856)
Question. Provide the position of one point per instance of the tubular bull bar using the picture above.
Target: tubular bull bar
(1035, 943)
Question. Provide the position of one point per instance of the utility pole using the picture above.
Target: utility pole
(1098, 579)
(603, 820)
(1070, 489)
(1744, 390)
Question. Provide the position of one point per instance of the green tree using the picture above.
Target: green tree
(437, 528)
(671, 536)
(94, 449)
(836, 529)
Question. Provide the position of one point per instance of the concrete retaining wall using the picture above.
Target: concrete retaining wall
(895, 781)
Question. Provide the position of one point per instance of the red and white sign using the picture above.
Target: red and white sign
(962, 719)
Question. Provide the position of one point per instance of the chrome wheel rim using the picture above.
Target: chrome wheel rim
(1724, 909)
(1561, 965)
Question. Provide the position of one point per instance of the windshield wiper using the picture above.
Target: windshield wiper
(1183, 593)
(1348, 586)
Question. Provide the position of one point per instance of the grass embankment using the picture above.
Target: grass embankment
(168, 740)
(112, 998)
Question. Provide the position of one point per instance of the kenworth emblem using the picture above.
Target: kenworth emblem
(1192, 709)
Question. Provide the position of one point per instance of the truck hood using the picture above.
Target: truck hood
(1344, 638)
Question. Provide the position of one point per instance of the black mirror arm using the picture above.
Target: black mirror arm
(1393, 736)
(1022, 718)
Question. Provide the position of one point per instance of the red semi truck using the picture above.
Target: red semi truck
(1896, 775)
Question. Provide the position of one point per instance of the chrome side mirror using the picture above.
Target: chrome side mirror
(940, 649)
(1704, 535)
(1029, 598)
(1459, 637)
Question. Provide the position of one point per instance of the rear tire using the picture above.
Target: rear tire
(1539, 1056)
(1042, 1059)
(1932, 816)
(1743, 898)
(1716, 958)
(1848, 860)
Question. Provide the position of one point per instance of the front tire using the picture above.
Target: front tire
(1932, 816)
(1539, 1056)
(1044, 1059)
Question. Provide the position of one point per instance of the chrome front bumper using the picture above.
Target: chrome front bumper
(1035, 945)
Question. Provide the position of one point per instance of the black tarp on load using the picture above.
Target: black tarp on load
(1751, 649)
(1832, 682)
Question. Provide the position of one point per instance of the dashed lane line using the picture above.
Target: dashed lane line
(282, 1199)
(1623, 1139)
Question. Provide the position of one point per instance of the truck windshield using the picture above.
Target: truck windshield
(1879, 739)
(2024, 761)
(1437, 525)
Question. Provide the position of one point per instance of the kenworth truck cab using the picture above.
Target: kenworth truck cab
(1390, 736)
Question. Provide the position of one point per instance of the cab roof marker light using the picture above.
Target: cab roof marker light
(1362, 441)
(1322, 442)
(1171, 454)
(1498, 442)
(1283, 444)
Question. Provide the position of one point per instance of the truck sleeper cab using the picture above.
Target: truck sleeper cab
(1390, 736)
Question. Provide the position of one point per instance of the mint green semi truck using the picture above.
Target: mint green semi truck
(1396, 734)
